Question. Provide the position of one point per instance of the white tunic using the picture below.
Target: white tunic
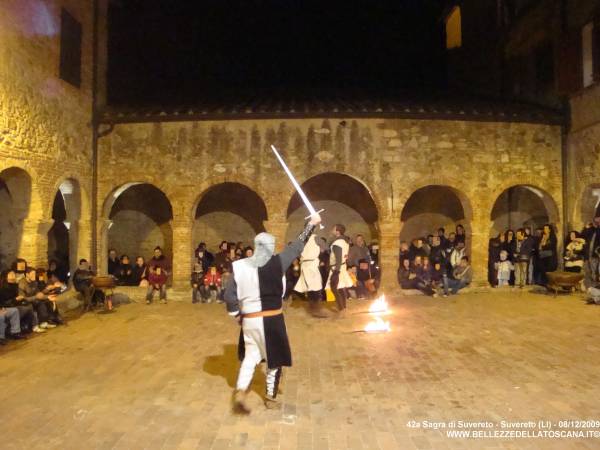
(345, 281)
(248, 287)
(310, 277)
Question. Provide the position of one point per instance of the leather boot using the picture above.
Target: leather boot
(240, 404)
(271, 402)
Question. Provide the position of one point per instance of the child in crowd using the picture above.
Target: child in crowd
(211, 288)
(157, 280)
(504, 269)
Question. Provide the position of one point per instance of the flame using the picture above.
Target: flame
(379, 305)
(378, 326)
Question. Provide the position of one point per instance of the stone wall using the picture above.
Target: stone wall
(392, 158)
(584, 157)
(44, 121)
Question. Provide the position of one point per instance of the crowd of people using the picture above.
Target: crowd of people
(28, 300)
(436, 265)
(211, 271)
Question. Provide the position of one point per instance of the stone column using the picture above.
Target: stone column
(480, 231)
(34, 241)
(84, 240)
(182, 253)
(101, 263)
(389, 249)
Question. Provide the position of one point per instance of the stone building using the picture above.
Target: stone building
(133, 179)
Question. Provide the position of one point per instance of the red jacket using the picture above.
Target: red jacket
(212, 279)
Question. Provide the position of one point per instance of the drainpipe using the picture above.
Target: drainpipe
(95, 124)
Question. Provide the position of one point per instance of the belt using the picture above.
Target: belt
(269, 313)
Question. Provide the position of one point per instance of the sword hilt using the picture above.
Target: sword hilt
(317, 212)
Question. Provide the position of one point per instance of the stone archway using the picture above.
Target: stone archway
(228, 211)
(345, 200)
(140, 217)
(522, 206)
(63, 236)
(15, 197)
(432, 207)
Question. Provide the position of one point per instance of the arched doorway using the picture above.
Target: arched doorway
(344, 199)
(63, 236)
(15, 198)
(228, 212)
(590, 203)
(140, 216)
(432, 207)
(522, 206)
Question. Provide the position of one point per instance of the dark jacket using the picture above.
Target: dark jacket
(524, 250)
(82, 279)
(138, 273)
(163, 262)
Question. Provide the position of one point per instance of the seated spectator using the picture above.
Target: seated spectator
(365, 280)
(19, 267)
(113, 262)
(450, 243)
(157, 281)
(61, 272)
(42, 305)
(438, 272)
(463, 275)
(406, 275)
(427, 243)
(197, 280)
(124, 273)
(248, 252)
(160, 260)
(212, 286)
(8, 298)
(82, 282)
(574, 252)
(139, 276)
(54, 287)
(504, 268)
(423, 280)
(352, 291)
(10, 315)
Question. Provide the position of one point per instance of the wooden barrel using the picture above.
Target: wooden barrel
(105, 281)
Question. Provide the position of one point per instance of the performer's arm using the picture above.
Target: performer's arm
(337, 251)
(231, 298)
(294, 250)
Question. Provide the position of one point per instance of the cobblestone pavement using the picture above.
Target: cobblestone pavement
(161, 377)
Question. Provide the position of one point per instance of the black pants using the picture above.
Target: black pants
(27, 317)
(340, 294)
(42, 309)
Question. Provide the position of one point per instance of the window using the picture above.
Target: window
(587, 46)
(454, 29)
(70, 49)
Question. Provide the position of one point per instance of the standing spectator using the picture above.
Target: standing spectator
(197, 280)
(460, 234)
(537, 237)
(416, 249)
(292, 275)
(548, 258)
(221, 258)
(441, 233)
(574, 252)
(494, 249)
(139, 276)
(248, 252)
(592, 252)
(203, 256)
(358, 251)
(523, 250)
(403, 251)
(113, 262)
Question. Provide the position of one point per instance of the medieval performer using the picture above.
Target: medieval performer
(254, 295)
(310, 281)
(339, 279)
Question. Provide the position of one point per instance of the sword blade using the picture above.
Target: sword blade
(301, 193)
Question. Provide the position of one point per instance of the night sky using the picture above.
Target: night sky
(184, 52)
